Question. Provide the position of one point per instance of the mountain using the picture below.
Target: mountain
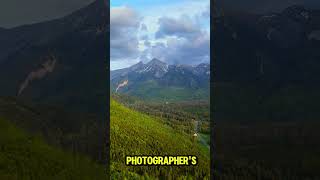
(155, 68)
(158, 80)
(53, 79)
(276, 48)
(60, 61)
(259, 58)
(266, 82)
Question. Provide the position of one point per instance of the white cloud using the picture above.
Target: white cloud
(175, 33)
(124, 26)
(181, 50)
(183, 26)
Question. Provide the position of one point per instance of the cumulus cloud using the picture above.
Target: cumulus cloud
(183, 26)
(144, 37)
(184, 41)
(147, 43)
(183, 50)
(143, 27)
(124, 26)
(206, 13)
(175, 39)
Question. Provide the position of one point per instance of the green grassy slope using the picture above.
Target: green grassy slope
(134, 133)
(71, 131)
(23, 156)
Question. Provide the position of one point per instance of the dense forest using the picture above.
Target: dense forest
(64, 135)
(181, 115)
(25, 153)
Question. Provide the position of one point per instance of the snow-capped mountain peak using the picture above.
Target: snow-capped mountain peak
(155, 67)
(158, 69)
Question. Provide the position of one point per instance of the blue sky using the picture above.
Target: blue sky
(173, 31)
(142, 3)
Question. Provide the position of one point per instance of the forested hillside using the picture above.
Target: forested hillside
(25, 156)
(134, 133)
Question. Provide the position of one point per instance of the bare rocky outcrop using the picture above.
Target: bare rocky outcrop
(123, 84)
(46, 68)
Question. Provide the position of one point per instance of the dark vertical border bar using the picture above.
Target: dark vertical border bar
(107, 117)
(212, 78)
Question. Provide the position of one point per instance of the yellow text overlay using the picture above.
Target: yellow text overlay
(161, 160)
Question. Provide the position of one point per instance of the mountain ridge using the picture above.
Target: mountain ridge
(77, 41)
(157, 79)
(268, 48)
(155, 63)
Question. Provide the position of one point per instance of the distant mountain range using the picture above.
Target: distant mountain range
(266, 66)
(159, 80)
(61, 62)
(278, 48)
